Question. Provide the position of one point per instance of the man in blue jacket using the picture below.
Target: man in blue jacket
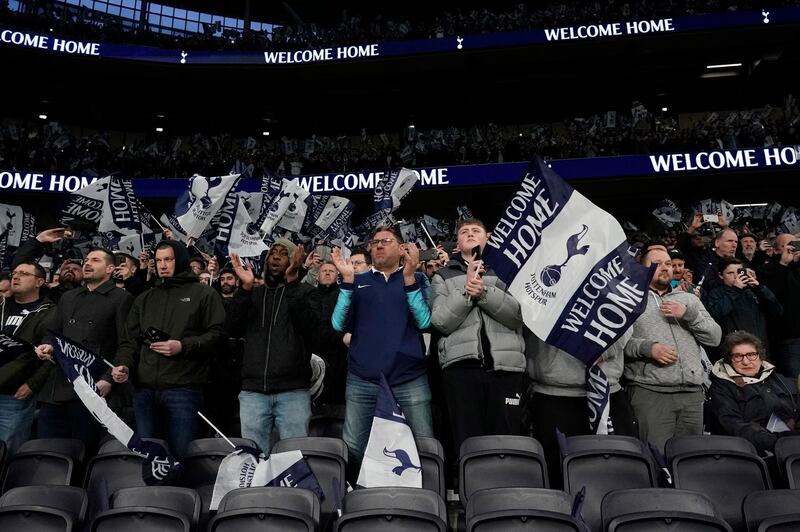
(385, 309)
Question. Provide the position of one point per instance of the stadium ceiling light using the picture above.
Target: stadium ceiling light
(159, 130)
(265, 133)
(723, 65)
(751, 205)
(664, 109)
(711, 75)
(43, 117)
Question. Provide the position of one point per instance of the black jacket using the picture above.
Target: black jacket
(186, 310)
(278, 324)
(94, 319)
(744, 309)
(745, 410)
(329, 346)
(27, 368)
(784, 281)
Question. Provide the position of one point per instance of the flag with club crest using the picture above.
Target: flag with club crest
(18, 224)
(569, 265)
(273, 211)
(392, 187)
(107, 204)
(391, 457)
(82, 368)
(197, 206)
(236, 232)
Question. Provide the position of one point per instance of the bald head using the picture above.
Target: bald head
(782, 240)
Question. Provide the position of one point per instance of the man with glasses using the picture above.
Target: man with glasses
(70, 274)
(385, 309)
(26, 315)
(94, 316)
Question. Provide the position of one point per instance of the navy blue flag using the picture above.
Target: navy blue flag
(11, 347)
(569, 265)
(82, 367)
(392, 187)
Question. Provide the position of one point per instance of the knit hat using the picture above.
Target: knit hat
(287, 244)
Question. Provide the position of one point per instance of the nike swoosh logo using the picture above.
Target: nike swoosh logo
(364, 285)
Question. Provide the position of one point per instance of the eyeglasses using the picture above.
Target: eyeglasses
(357, 262)
(385, 241)
(25, 274)
(738, 357)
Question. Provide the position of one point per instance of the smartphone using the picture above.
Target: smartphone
(153, 335)
(66, 233)
(711, 218)
(742, 271)
(428, 254)
(119, 259)
(449, 247)
(795, 244)
(324, 253)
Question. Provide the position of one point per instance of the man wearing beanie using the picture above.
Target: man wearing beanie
(277, 321)
(171, 331)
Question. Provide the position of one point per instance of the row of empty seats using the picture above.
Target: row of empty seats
(726, 469)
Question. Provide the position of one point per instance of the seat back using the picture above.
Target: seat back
(788, 448)
(37, 469)
(68, 499)
(781, 523)
(141, 519)
(71, 447)
(396, 509)
(297, 500)
(634, 501)
(431, 457)
(702, 443)
(792, 470)
(327, 459)
(727, 477)
(667, 522)
(113, 445)
(185, 501)
(501, 461)
(602, 464)
(36, 519)
(761, 505)
(108, 472)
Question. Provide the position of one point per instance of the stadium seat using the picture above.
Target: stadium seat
(603, 463)
(511, 509)
(327, 458)
(113, 445)
(141, 519)
(68, 499)
(641, 510)
(501, 462)
(787, 450)
(201, 462)
(725, 468)
(264, 508)
(50, 461)
(762, 505)
(431, 457)
(327, 421)
(185, 501)
(36, 519)
(393, 510)
(108, 472)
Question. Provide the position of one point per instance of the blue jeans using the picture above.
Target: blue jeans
(413, 396)
(16, 420)
(790, 357)
(169, 414)
(289, 412)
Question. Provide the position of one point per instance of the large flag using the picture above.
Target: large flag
(246, 467)
(294, 215)
(82, 368)
(392, 187)
(133, 245)
(331, 216)
(196, 207)
(108, 204)
(20, 225)
(236, 232)
(391, 457)
(569, 265)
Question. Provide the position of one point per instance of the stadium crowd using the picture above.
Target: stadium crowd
(50, 146)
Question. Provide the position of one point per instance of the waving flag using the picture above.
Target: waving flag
(295, 214)
(274, 211)
(391, 457)
(236, 232)
(82, 368)
(18, 224)
(109, 204)
(331, 215)
(196, 207)
(133, 245)
(569, 265)
(392, 187)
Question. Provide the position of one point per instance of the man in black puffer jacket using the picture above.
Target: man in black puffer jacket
(277, 321)
(169, 373)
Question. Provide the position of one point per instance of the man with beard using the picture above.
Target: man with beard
(663, 358)
(277, 321)
(70, 275)
(94, 316)
(171, 331)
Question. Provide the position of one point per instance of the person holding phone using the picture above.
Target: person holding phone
(701, 259)
(741, 303)
(170, 333)
(481, 349)
(70, 273)
(782, 276)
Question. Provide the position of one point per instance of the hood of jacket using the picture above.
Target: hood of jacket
(183, 273)
(723, 370)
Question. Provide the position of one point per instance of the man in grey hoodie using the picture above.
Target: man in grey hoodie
(663, 367)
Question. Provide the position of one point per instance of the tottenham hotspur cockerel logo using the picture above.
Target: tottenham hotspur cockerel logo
(551, 275)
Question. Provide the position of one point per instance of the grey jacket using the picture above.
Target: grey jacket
(555, 372)
(685, 335)
(459, 319)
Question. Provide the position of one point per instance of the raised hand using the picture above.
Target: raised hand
(244, 273)
(346, 269)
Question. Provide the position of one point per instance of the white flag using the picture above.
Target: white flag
(195, 209)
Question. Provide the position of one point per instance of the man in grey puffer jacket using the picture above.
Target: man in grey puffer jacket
(663, 367)
(481, 350)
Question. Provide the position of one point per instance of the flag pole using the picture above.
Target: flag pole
(422, 224)
(216, 429)
(152, 217)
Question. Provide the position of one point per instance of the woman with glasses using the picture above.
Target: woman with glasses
(748, 397)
